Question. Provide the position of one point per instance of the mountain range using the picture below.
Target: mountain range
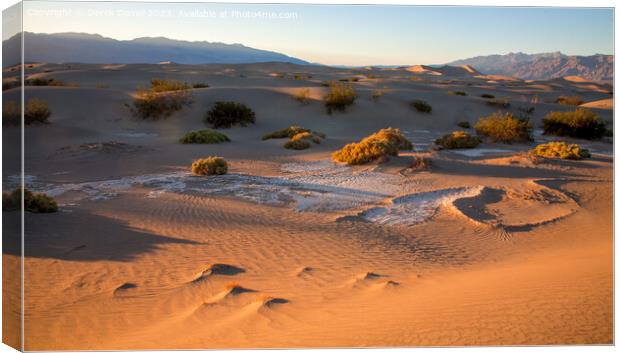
(96, 49)
(598, 67)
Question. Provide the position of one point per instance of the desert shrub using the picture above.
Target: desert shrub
(166, 85)
(204, 136)
(561, 150)
(581, 123)
(297, 144)
(340, 96)
(380, 145)
(464, 124)
(302, 95)
(421, 163)
(487, 96)
(200, 85)
(285, 133)
(155, 105)
(502, 103)
(210, 166)
(49, 82)
(526, 110)
(504, 127)
(227, 114)
(421, 106)
(35, 203)
(572, 100)
(10, 113)
(10, 84)
(37, 111)
(376, 94)
(458, 93)
(302, 77)
(349, 79)
(458, 139)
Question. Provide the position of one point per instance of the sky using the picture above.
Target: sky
(341, 34)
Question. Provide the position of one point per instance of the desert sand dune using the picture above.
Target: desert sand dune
(289, 249)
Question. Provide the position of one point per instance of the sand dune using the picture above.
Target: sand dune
(289, 249)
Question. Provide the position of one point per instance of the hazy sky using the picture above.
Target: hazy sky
(336, 34)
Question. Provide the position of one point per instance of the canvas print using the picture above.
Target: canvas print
(229, 175)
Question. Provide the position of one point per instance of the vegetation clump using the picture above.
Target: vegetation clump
(210, 166)
(10, 113)
(487, 96)
(464, 124)
(504, 127)
(340, 96)
(164, 97)
(457, 140)
(35, 203)
(206, 136)
(572, 100)
(36, 112)
(580, 123)
(499, 102)
(285, 133)
(458, 93)
(560, 149)
(380, 145)
(376, 94)
(227, 114)
(200, 85)
(302, 95)
(421, 106)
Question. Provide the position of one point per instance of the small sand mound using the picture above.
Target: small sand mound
(369, 276)
(304, 271)
(391, 284)
(600, 104)
(218, 269)
(269, 302)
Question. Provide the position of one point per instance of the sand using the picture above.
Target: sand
(288, 249)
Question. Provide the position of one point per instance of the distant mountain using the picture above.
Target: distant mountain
(544, 66)
(96, 49)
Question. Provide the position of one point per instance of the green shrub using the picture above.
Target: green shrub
(464, 124)
(458, 139)
(210, 166)
(340, 96)
(297, 144)
(155, 105)
(502, 103)
(36, 111)
(421, 106)
(573, 100)
(204, 136)
(581, 123)
(487, 96)
(35, 203)
(200, 85)
(380, 145)
(227, 114)
(285, 133)
(504, 127)
(560, 150)
(11, 113)
(458, 93)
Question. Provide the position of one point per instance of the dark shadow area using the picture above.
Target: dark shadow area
(82, 236)
(457, 167)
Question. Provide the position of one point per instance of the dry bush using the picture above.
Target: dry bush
(210, 166)
(380, 145)
(376, 94)
(155, 105)
(339, 97)
(200, 85)
(464, 124)
(285, 133)
(36, 112)
(11, 113)
(227, 114)
(561, 150)
(572, 100)
(302, 95)
(167, 85)
(458, 139)
(35, 203)
(458, 93)
(487, 96)
(421, 106)
(499, 102)
(206, 136)
(504, 127)
(421, 163)
(581, 123)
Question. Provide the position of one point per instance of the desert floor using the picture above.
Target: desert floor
(483, 248)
